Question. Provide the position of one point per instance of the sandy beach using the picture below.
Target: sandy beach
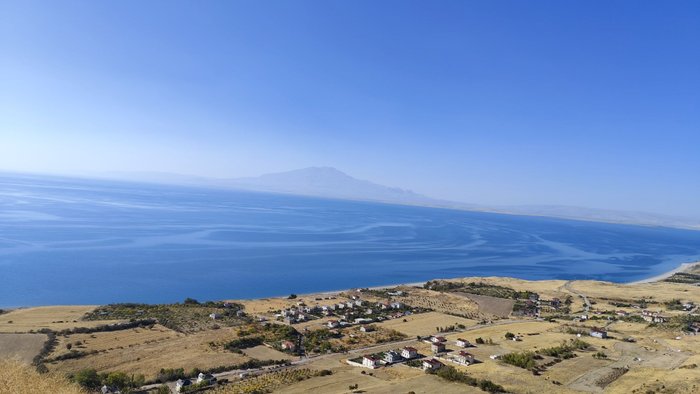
(681, 268)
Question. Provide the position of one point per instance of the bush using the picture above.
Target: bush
(88, 378)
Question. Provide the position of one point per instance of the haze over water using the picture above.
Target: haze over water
(68, 241)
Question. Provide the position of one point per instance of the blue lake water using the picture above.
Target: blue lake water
(68, 241)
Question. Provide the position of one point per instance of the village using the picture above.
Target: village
(448, 335)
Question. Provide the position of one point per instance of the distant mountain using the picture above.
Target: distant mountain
(328, 182)
(332, 183)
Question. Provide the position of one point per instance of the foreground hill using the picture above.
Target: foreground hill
(480, 334)
(17, 378)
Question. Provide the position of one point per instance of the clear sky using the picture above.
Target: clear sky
(588, 103)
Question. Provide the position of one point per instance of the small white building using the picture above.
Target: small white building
(182, 383)
(288, 345)
(462, 343)
(205, 377)
(366, 328)
(465, 358)
(333, 324)
(392, 357)
(370, 361)
(599, 333)
(409, 352)
(431, 364)
(438, 347)
(435, 339)
(214, 316)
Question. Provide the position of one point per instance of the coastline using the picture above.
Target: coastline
(681, 268)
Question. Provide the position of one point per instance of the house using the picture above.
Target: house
(182, 383)
(362, 320)
(289, 320)
(462, 343)
(438, 347)
(437, 339)
(288, 345)
(409, 352)
(397, 305)
(349, 304)
(621, 313)
(369, 311)
(392, 357)
(599, 333)
(214, 316)
(333, 324)
(205, 377)
(370, 361)
(358, 302)
(659, 319)
(465, 357)
(495, 357)
(366, 328)
(694, 327)
(384, 305)
(431, 364)
(583, 317)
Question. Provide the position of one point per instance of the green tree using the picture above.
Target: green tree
(88, 378)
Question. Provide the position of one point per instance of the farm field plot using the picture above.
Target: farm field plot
(51, 317)
(491, 305)
(425, 323)
(21, 347)
(263, 352)
(107, 341)
(397, 379)
(125, 351)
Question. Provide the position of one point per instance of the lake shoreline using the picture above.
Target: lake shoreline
(685, 267)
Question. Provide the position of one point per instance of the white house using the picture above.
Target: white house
(465, 357)
(438, 347)
(397, 305)
(495, 357)
(214, 316)
(409, 352)
(205, 377)
(366, 328)
(462, 342)
(437, 339)
(180, 384)
(392, 357)
(431, 364)
(370, 361)
(599, 333)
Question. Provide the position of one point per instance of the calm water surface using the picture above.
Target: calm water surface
(68, 241)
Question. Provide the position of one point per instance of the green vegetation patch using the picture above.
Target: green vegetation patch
(453, 375)
(478, 288)
(186, 317)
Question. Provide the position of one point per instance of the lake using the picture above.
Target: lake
(76, 241)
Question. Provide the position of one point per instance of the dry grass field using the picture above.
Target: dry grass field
(55, 318)
(424, 323)
(21, 347)
(398, 379)
(146, 351)
(17, 378)
(265, 353)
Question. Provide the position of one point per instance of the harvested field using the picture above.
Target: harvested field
(21, 347)
(500, 307)
(147, 351)
(265, 353)
(48, 317)
(424, 323)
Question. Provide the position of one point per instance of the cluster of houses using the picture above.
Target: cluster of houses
(437, 345)
(354, 309)
(201, 378)
(653, 317)
(534, 306)
(391, 357)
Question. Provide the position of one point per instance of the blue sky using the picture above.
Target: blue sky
(589, 103)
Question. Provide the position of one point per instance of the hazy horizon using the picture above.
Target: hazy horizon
(500, 103)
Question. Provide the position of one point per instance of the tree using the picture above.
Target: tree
(163, 389)
(88, 378)
(292, 296)
(191, 301)
(510, 335)
(119, 380)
